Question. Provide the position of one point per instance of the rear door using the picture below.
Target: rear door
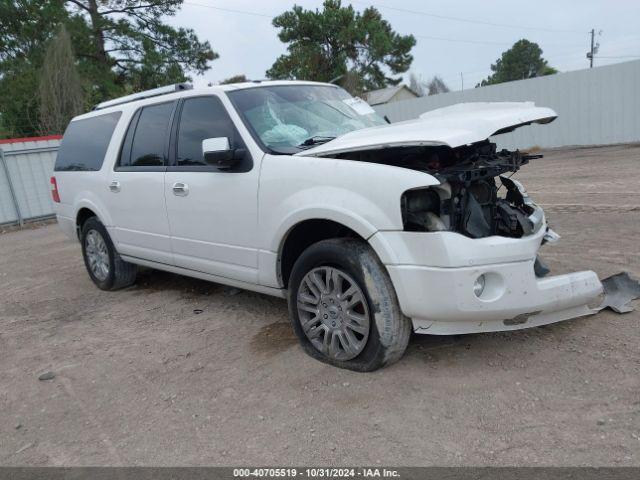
(136, 187)
(212, 213)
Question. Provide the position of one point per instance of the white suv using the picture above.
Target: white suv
(298, 190)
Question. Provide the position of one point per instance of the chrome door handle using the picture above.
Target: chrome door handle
(114, 186)
(180, 189)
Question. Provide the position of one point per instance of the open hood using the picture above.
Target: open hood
(454, 126)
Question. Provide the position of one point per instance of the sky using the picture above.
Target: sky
(457, 40)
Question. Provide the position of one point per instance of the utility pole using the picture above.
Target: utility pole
(462, 81)
(594, 47)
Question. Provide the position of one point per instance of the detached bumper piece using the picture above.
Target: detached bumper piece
(619, 290)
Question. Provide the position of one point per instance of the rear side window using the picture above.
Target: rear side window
(202, 117)
(85, 143)
(146, 140)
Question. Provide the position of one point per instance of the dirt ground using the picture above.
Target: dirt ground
(176, 371)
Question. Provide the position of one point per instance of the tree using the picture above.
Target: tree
(26, 27)
(121, 46)
(522, 60)
(436, 85)
(358, 50)
(417, 85)
(235, 79)
(130, 44)
(432, 87)
(61, 94)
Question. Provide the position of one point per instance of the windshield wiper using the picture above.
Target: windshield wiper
(316, 140)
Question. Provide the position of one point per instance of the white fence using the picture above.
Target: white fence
(26, 167)
(596, 106)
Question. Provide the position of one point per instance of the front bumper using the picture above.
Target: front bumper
(434, 275)
(441, 301)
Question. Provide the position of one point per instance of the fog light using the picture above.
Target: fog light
(478, 286)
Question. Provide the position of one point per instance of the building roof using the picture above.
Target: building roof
(383, 95)
(29, 139)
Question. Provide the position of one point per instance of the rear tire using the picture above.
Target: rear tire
(328, 281)
(104, 265)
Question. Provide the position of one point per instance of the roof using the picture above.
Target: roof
(383, 95)
(29, 139)
(134, 100)
(266, 83)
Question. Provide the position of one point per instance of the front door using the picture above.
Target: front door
(136, 186)
(212, 213)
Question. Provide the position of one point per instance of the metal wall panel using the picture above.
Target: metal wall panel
(8, 212)
(596, 106)
(29, 166)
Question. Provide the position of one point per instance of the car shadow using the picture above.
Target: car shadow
(276, 337)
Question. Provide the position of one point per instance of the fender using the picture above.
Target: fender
(362, 196)
(87, 199)
(337, 214)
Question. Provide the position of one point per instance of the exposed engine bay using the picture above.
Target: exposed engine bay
(475, 197)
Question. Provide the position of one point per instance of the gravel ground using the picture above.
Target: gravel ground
(177, 371)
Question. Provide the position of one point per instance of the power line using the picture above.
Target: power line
(466, 20)
(427, 37)
(231, 10)
(617, 56)
(458, 40)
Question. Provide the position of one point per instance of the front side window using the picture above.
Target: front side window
(201, 118)
(85, 143)
(146, 140)
(289, 118)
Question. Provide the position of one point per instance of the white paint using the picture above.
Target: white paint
(452, 126)
(217, 144)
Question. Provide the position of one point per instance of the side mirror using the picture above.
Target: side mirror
(217, 152)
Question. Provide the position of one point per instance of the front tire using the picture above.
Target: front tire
(344, 308)
(105, 267)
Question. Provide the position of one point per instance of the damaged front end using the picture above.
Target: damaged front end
(466, 260)
(475, 197)
(477, 269)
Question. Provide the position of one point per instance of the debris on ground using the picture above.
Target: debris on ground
(619, 290)
(28, 445)
(47, 376)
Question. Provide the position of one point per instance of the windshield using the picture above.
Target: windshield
(290, 118)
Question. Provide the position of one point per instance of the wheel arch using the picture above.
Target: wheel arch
(86, 209)
(82, 216)
(304, 233)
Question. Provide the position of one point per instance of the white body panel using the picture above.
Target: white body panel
(231, 227)
(214, 227)
(454, 126)
(137, 210)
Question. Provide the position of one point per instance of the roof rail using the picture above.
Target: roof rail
(146, 94)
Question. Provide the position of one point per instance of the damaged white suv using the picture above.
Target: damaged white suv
(296, 189)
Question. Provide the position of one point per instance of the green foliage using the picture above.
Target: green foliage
(61, 94)
(26, 26)
(522, 60)
(235, 79)
(360, 50)
(121, 46)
